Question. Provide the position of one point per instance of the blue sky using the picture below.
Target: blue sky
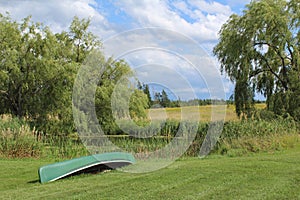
(180, 32)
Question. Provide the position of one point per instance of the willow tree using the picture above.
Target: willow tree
(34, 71)
(259, 51)
(38, 69)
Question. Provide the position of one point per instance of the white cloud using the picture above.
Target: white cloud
(182, 67)
(203, 22)
(56, 14)
(212, 7)
(205, 19)
(233, 3)
(198, 20)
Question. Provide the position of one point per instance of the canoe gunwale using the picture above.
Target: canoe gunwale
(88, 166)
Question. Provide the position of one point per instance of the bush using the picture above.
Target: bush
(7, 122)
(17, 139)
(265, 114)
(258, 136)
(19, 142)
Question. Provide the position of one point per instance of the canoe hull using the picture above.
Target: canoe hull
(87, 164)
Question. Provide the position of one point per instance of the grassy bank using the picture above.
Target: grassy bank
(19, 140)
(237, 138)
(260, 176)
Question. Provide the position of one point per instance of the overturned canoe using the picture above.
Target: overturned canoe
(87, 164)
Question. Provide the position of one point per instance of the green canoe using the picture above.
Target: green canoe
(86, 164)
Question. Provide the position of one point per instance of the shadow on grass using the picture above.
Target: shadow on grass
(34, 181)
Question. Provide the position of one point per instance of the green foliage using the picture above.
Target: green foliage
(83, 41)
(266, 115)
(38, 68)
(61, 147)
(237, 137)
(260, 50)
(7, 122)
(162, 99)
(165, 101)
(258, 135)
(147, 92)
(244, 99)
(145, 89)
(103, 94)
(138, 105)
(112, 73)
(259, 128)
(18, 140)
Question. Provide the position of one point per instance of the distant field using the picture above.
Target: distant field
(201, 113)
(260, 176)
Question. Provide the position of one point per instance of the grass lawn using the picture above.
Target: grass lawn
(258, 176)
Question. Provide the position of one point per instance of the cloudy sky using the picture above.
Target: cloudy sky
(167, 42)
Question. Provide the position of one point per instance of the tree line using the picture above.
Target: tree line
(161, 99)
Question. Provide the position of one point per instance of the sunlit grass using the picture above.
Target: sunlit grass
(199, 113)
(259, 176)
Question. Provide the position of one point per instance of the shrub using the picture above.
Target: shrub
(19, 142)
(258, 136)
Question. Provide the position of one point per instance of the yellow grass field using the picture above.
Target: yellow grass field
(200, 113)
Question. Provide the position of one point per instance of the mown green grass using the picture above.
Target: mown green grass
(258, 176)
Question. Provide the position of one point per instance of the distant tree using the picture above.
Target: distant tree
(139, 85)
(157, 97)
(164, 101)
(147, 92)
(145, 89)
(174, 103)
(138, 105)
(114, 79)
(231, 99)
(260, 51)
(112, 72)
